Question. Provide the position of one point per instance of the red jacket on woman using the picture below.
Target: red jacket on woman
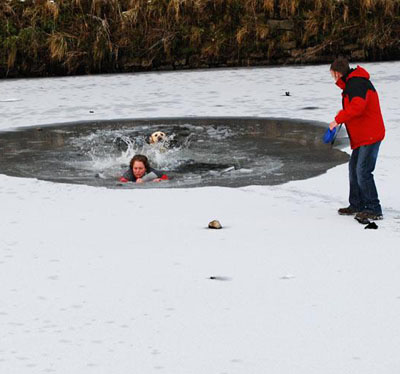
(361, 111)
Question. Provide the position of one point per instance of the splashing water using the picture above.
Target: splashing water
(195, 152)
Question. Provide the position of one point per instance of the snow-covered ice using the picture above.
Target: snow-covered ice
(94, 280)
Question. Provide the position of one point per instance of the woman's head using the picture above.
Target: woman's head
(139, 165)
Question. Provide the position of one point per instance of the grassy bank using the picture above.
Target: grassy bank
(44, 37)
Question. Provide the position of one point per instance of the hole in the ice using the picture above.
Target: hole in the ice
(197, 152)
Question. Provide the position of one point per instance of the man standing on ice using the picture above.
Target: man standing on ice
(362, 116)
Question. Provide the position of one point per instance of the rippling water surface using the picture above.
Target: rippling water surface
(197, 151)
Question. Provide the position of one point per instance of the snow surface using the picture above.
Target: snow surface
(117, 281)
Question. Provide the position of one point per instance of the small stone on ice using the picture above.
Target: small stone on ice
(215, 225)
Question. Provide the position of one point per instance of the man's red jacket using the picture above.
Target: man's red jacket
(361, 111)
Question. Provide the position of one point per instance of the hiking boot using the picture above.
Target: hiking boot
(349, 211)
(363, 216)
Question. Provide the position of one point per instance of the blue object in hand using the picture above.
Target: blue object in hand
(329, 135)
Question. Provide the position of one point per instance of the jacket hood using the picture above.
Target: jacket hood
(357, 72)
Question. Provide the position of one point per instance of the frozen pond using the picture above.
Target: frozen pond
(197, 152)
(118, 280)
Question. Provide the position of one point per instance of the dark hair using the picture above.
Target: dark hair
(140, 158)
(341, 65)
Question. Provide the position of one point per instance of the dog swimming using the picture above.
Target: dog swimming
(157, 137)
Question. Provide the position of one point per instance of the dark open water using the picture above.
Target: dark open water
(198, 151)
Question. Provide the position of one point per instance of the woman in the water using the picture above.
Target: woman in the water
(140, 171)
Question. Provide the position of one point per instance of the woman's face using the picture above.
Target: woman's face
(138, 169)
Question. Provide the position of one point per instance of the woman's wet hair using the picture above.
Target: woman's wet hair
(140, 158)
(341, 65)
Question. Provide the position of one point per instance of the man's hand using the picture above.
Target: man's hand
(332, 125)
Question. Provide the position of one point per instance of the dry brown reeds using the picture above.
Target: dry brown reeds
(39, 37)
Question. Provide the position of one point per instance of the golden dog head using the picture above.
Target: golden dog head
(157, 136)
